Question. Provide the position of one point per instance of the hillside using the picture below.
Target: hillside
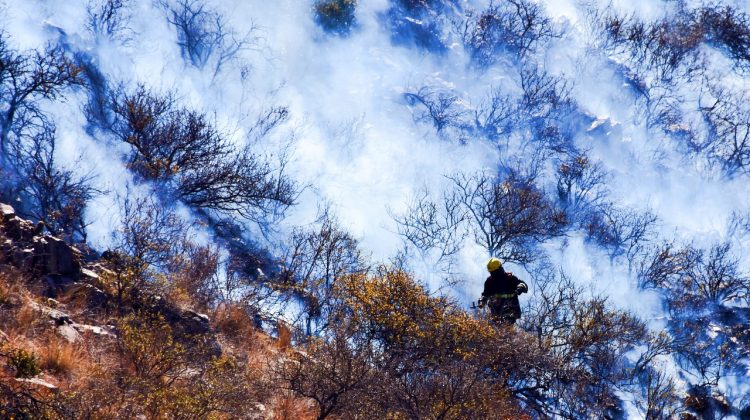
(285, 209)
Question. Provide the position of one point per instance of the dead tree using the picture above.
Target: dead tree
(429, 225)
(26, 80)
(509, 213)
(182, 150)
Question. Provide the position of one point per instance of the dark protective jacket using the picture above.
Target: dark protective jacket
(501, 292)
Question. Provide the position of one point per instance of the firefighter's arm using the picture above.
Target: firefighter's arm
(521, 288)
(482, 301)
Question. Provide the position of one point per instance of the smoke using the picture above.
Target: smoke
(352, 138)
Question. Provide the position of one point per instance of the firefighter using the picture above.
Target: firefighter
(501, 290)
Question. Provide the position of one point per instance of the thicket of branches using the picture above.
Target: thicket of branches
(204, 35)
(32, 177)
(663, 56)
(515, 27)
(392, 349)
(182, 150)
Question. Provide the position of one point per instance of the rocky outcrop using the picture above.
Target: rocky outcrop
(26, 247)
(190, 326)
(68, 329)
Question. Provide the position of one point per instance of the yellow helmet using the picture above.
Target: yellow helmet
(493, 264)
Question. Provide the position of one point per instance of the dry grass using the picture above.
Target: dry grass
(289, 407)
(234, 322)
(26, 320)
(59, 357)
(11, 287)
(285, 336)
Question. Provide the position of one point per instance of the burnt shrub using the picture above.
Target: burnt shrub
(671, 43)
(429, 224)
(26, 80)
(441, 108)
(317, 258)
(515, 27)
(728, 29)
(203, 34)
(108, 18)
(580, 184)
(182, 150)
(692, 277)
(582, 340)
(621, 231)
(727, 121)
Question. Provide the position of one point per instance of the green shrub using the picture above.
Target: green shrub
(336, 15)
(24, 363)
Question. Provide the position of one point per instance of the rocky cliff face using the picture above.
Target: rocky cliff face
(26, 246)
(61, 269)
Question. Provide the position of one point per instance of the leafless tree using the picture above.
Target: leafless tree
(108, 18)
(663, 266)
(707, 357)
(267, 120)
(727, 28)
(315, 261)
(150, 238)
(337, 372)
(661, 46)
(693, 276)
(621, 231)
(544, 96)
(181, 149)
(204, 36)
(430, 225)
(583, 339)
(580, 184)
(517, 27)
(50, 193)
(539, 114)
(727, 119)
(509, 213)
(150, 233)
(496, 115)
(659, 396)
(739, 223)
(26, 80)
(661, 54)
(441, 109)
(719, 278)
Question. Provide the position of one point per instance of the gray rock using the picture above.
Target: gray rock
(59, 317)
(61, 259)
(69, 333)
(37, 382)
(89, 276)
(101, 270)
(194, 322)
(19, 229)
(104, 332)
(92, 295)
(7, 212)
